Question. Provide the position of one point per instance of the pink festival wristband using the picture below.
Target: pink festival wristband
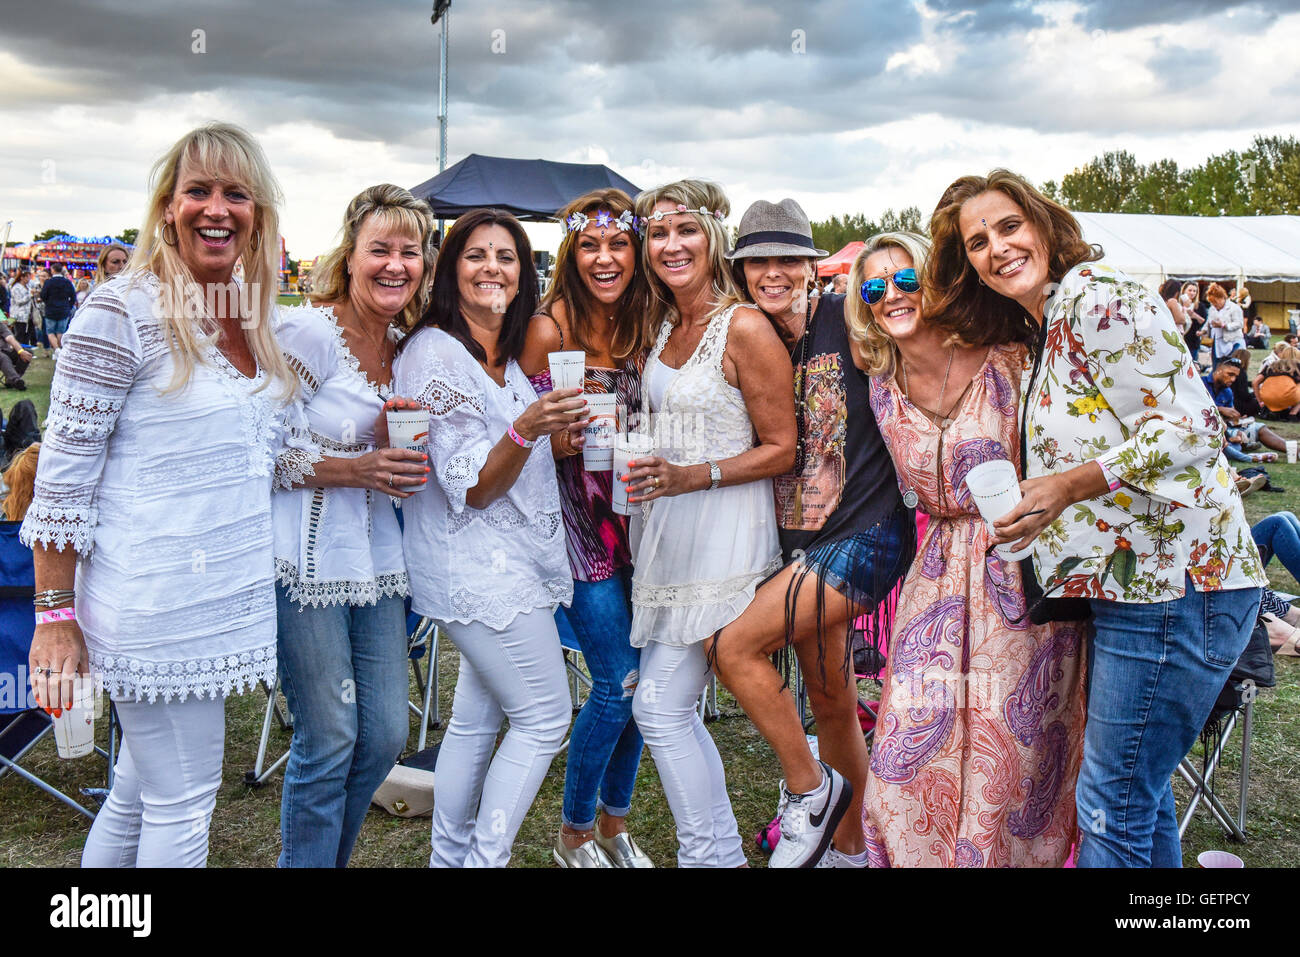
(518, 439)
(56, 614)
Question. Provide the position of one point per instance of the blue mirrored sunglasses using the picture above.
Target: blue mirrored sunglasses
(905, 280)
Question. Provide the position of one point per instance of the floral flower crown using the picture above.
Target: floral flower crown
(604, 219)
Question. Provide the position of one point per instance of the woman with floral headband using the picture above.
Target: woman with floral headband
(1127, 500)
(720, 386)
(597, 304)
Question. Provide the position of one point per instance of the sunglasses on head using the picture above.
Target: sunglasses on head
(905, 280)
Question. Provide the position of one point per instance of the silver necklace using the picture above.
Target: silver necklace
(910, 498)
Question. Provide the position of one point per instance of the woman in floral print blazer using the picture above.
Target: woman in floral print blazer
(1128, 500)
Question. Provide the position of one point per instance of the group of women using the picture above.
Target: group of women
(793, 437)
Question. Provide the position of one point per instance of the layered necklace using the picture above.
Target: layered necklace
(941, 419)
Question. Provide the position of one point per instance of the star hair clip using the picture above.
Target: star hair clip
(604, 219)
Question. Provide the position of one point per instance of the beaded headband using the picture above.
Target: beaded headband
(603, 218)
(659, 214)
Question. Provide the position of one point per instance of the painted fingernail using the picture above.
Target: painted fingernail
(58, 712)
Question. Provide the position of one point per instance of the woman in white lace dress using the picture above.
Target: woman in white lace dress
(484, 541)
(157, 459)
(340, 575)
(719, 386)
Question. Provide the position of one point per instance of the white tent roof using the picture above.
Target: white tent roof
(1154, 248)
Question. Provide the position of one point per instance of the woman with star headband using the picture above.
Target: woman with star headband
(719, 384)
(597, 303)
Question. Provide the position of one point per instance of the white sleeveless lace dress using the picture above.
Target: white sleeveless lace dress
(699, 556)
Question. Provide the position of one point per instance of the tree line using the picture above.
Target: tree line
(1263, 180)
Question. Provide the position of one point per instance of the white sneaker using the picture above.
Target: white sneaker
(808, 821)
(833, 858)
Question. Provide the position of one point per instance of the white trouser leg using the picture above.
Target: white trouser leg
(518, 673)
(168, 773)
(689, 765)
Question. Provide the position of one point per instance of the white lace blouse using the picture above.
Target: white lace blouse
(167, 500)
(468, 564)
(332, 545)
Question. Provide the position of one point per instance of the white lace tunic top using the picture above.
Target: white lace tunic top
(698, 557)
(333, 545)
(468, 564)
(167, 500)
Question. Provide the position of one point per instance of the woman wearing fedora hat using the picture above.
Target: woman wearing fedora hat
(846, 538)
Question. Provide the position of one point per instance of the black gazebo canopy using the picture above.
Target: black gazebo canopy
(533, 190)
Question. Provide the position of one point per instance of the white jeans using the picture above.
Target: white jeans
(689, 765)
(518, 674)
(165, 786)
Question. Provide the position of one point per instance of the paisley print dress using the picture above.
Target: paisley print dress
(980, 729)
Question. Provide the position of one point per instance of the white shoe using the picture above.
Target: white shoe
(808, 821)
(833, 858)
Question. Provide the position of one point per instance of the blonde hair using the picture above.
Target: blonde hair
(226, 151)
(693, 194)
(20, 478)
(878, 348)
(100, 275)
(398, 211)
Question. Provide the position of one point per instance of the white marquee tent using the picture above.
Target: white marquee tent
(1258, 250)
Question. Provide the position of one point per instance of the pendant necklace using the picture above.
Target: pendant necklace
(910, 498)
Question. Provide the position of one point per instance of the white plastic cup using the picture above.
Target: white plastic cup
(631, 446)
(408, 429)
(74, 728)
(995, 488)
(1218, 859)
(600, 432)
(568, 369)
(1291, 446)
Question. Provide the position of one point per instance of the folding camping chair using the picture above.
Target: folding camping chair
(1234, 708)
(21, 727)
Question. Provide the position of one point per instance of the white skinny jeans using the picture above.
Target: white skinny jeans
(690, 768)
(518, 674)
(165, 786)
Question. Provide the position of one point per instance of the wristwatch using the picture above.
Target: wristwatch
(715, 475)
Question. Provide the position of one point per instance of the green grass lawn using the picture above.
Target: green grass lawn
(37, 830)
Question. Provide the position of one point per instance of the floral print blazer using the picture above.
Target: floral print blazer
(1117, 384)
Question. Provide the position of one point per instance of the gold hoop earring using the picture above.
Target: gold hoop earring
(174, 239)
(256, 242)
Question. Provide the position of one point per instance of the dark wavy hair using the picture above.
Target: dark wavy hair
(444, 312)
(580, 305)
(955, 298)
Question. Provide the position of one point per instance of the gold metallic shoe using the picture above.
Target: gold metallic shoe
(587, 854)
(623, 851)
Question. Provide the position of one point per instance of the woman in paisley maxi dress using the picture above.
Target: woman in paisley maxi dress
(980, 727)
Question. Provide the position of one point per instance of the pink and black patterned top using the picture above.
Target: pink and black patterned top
(596, 537)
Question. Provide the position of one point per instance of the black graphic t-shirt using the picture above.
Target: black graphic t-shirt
(848, 482)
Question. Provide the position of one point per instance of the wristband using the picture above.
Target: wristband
(518, 439)
(56, 614)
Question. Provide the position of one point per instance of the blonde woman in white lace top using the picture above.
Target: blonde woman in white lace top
(157, 463)
(340, 573)
(719, 384)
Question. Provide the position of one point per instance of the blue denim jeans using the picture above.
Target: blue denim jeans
(1279, 535)
(1154, 673)
(605, 745)
(343, 671)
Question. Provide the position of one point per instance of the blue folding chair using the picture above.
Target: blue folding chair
(23, 727)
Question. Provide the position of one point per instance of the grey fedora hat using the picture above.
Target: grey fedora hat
(775, 229)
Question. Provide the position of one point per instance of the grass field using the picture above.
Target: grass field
(37, 830)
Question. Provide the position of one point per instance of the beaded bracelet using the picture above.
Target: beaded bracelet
(518, 439)
(51, 597)
(56, 614)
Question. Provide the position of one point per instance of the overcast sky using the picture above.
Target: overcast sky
(845, 105)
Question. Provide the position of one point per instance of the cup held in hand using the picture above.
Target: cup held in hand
(74, 728)
(631, 446)
(408, 428)
(995, 487)
(568, 369)
(600, 432)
